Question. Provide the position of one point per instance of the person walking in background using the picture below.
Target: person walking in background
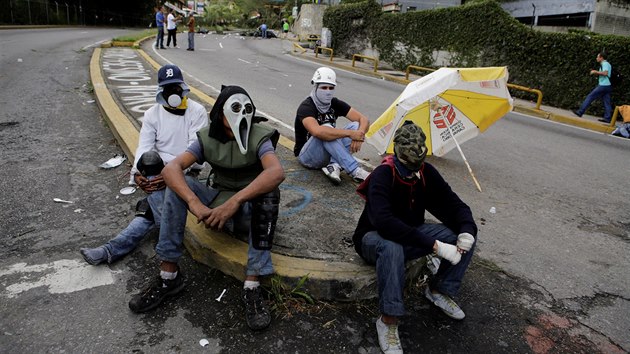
(263, 30)
(285, 28)
(318, 141)
(392, 230)
(159, 22)
(171, 27)
(603, 89)
(191, 32)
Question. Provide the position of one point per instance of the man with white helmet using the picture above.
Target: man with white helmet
(168, 127)
(243, 195)
(392, 230)
(318, 141)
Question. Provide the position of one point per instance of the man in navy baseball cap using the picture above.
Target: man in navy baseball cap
(168, 127)
(172, 90)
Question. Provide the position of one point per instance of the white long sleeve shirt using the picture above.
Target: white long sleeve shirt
(168, 133)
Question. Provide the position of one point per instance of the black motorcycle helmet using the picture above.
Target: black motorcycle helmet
(150, 164)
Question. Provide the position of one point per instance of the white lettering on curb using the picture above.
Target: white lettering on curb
(125, 67)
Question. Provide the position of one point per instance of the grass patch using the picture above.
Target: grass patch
(289, 299)
(134, 36)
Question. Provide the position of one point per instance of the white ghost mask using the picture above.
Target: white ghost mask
(238, 111)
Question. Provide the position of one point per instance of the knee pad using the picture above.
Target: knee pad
(143, 208)
(264, 217)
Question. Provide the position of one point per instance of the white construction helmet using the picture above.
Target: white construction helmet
(324, 75)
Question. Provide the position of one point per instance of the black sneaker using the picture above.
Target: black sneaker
(576, 113)
(256, 313)
(155, 292)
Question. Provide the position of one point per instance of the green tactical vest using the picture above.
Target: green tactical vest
(232, 170)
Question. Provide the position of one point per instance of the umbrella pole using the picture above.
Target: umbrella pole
(463, 157)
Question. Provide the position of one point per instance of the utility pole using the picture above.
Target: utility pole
(30, 20)
(533, 16)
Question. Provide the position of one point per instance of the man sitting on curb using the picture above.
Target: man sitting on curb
(244, 194)
(318, 143)
(392, 230)
(168, 127)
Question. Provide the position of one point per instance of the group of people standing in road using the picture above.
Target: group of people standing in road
(242, 194)
(166, 19)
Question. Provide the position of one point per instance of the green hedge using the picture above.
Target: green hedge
(483, 34)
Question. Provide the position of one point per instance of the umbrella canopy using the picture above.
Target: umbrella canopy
(450, 105)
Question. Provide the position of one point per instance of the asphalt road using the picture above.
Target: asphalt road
(552, 272)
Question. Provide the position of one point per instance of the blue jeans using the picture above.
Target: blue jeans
(174, 213)
(264, 33)
(602, 92)
(318, 153)
(191, 40)
(390, 257)
(132, 235)
(160, 37)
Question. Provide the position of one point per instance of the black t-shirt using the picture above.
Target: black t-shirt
(308, 109)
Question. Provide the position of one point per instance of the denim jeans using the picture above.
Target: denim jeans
(174, 213)
(129, 238)
(318, 153)
(602, 92)
(160, 37)
(191, 40)
(390, 257)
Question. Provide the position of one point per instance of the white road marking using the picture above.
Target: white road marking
(220, 45)
(61, 277)
(208, 50)
(94, 44)
(244, 61)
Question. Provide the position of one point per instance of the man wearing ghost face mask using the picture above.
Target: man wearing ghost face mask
(244, 195)
(392, 230)
(319, 144)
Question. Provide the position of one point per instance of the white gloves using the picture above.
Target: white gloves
(465, 241)
(448, 252)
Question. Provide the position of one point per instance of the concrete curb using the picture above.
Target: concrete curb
(326, 279)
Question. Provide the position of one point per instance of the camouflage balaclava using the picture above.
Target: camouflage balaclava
(409, 145)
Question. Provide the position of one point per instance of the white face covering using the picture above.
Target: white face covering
(322, 98)
(238, 111)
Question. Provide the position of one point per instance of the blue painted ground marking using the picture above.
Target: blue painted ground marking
(296, 209)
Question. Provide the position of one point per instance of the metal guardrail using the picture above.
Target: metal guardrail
(527, 89)
(375, 60)
(512, 86)
(297, 47)
(409, 67)
(613, 119)
(317, 49)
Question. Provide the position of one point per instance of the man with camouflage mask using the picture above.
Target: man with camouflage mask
(392, 230)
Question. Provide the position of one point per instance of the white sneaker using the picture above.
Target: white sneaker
(445, 303)
(333, 172)
(359, 174)
(388, 338)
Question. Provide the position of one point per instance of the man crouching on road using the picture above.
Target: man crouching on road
(392, 230)
(244, 195)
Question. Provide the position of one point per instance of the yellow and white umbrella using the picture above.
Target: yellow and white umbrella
(450, 105)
